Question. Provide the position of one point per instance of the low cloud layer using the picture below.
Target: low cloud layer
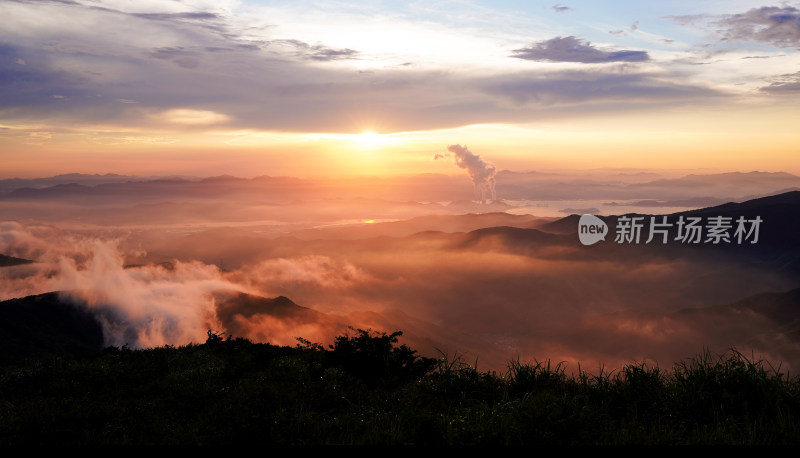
(572, 49)
(141, 307)
(172, 303)
(492, 295)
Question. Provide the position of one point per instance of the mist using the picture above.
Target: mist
(485, 294)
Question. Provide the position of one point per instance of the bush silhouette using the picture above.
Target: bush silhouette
(373, 356)
(214, 338)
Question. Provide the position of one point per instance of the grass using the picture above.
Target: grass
(365, 389)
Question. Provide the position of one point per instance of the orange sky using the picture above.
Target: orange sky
(248, 89)
(745, 140)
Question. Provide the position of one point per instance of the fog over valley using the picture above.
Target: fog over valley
(163, 260)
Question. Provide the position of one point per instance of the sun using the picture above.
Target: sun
(371, 140)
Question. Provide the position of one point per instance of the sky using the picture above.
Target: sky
(304, 88)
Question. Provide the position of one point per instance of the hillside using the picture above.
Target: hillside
(46, 325)
(367, 389)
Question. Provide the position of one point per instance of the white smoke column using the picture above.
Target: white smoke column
(481, 172)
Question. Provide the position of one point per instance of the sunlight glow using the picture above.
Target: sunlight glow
(371, 140)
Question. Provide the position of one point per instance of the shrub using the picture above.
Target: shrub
(373, 356)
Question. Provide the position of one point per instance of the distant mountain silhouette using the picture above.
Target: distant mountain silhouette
(442, 223)
(420, 188)
(237, 311)
(734, 185)
(782, 308)
(58, 190)
(7, 261)
(777, 248)
(222, 178)
(517, 239)
(477, 207)
(565, 225)
(740, 180)
(780, 214)
(230, 304)
(693, 202)
(769, 322)
(11, 184)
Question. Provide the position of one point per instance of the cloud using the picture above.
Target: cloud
(177, 55)
(576, 87)
(789, 83)
(779, 26)
(37, 242)
(145, 306)
(317, 52)
(689, 19)
(239, 73)
(174, 16)
(289, 275)
(572, 49)
(259, 81)
(192, 117)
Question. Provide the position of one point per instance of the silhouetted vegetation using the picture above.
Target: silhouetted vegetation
(376, 358)
(367, 389)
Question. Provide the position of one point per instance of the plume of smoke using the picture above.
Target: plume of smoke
(481, 173)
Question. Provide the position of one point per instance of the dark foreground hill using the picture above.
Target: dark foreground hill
(365, 389)
(46, 325)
